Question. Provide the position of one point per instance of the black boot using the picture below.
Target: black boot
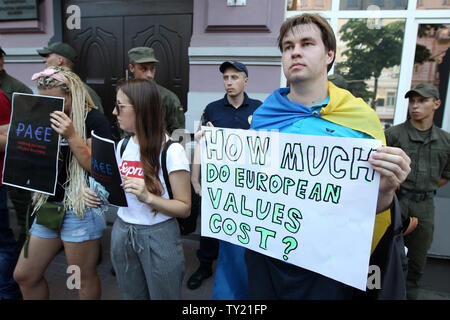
(203, 272)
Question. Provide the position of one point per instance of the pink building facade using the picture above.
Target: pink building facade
(244, 33)
(220, 32)
(20, 39)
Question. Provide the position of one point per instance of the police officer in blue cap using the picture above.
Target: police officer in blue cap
(235, 111)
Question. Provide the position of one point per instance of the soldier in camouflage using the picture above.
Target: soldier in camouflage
(428, 146)
(143, 66)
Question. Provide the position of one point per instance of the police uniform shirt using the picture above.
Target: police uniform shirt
(430, 155)
(222, 114)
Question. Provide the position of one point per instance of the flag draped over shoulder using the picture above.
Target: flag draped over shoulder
(351, 112)
(354, 113)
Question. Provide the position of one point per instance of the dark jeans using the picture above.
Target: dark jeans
(8, 252)
(208, 251)
(273, 279)
(418, 242)
(20, 199)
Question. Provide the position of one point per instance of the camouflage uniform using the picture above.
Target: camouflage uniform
(173, 110)
(430, 161)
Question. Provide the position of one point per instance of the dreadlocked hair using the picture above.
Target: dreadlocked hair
(82, 103)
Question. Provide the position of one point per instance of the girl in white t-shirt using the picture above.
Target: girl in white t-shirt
(146, 249)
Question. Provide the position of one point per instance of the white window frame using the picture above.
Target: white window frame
(413, 18)
(390, 97)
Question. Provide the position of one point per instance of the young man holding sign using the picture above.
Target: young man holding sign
(314, 106)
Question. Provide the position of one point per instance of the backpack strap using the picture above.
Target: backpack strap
(164, 167)
(27, 228)
(163, 162)
(124, 145)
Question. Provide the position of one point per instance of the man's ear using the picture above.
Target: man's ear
(60, 61)
(131, 67)
(330, 57)
(437, 104)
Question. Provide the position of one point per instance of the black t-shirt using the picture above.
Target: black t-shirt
(425, 135)
(96, 121)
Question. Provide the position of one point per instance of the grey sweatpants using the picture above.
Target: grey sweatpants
(148, 260)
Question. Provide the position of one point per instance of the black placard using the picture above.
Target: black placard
(31, 153)
(104, 169)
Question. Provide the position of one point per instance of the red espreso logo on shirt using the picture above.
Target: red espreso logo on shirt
(131, 169)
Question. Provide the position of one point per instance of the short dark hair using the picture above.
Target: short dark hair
(328, 37)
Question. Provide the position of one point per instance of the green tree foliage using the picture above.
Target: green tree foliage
(369, 51)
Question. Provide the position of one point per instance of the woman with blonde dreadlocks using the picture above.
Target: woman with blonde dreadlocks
(82, 229)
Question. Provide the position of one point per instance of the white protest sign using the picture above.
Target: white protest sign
(307, 200)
